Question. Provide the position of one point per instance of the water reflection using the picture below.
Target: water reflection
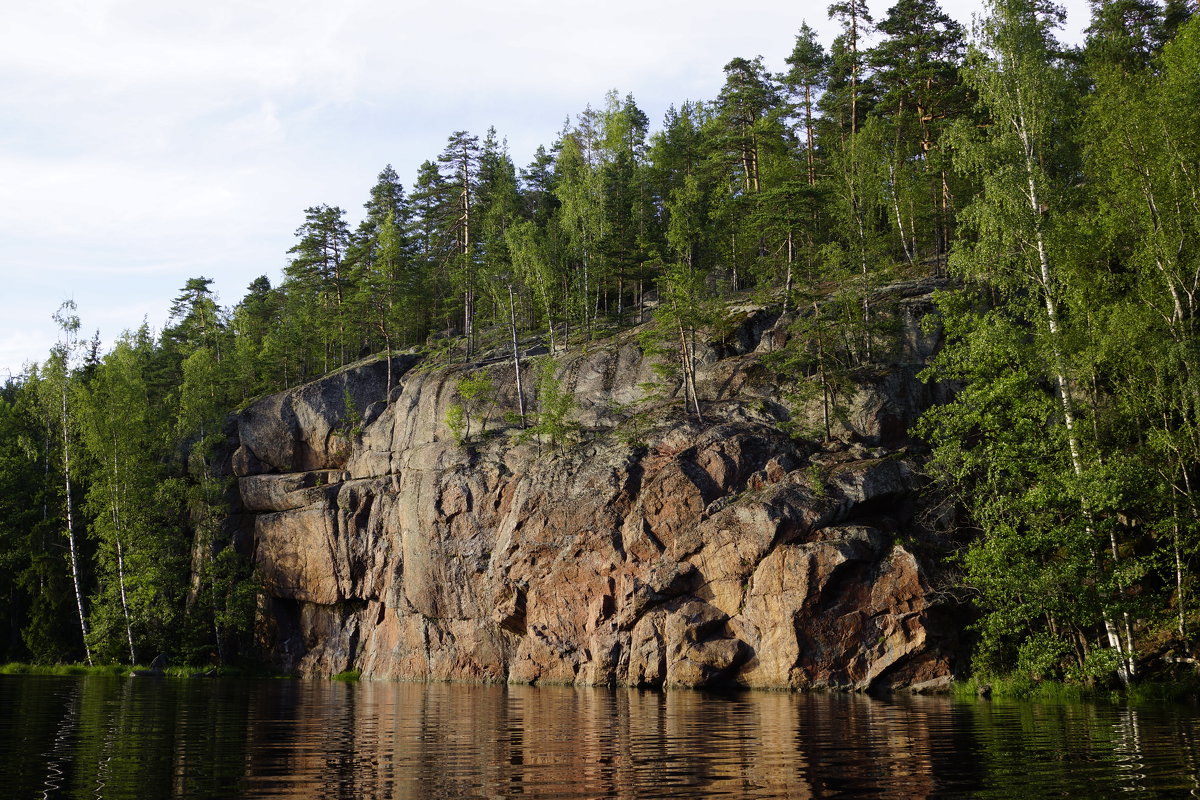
(298, 739)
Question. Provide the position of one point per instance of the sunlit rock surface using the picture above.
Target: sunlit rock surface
(652, 551)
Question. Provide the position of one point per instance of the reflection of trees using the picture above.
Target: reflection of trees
(1083, 750)
(118, 737)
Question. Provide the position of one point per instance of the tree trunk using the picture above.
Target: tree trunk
(787, 286)
(689, 374)
(117, 523)
(72, 546)
(821, 372)
(853, 67)
(808, 131)
(1062, 383)
(387, 344)
(512, 311)
(908, 252)
(125, 601)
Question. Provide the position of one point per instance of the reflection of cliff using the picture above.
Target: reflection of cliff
(654, 552)
(407, 740)
(195, 739)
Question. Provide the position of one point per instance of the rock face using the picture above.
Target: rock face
(649, 550)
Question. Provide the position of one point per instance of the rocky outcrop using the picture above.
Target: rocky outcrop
(647, 550)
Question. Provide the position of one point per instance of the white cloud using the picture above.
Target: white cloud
(142, 143)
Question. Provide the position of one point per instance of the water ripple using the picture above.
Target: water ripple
(113, 738)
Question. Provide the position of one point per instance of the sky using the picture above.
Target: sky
(143, 143)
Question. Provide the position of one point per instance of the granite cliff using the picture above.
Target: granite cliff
(648, 549)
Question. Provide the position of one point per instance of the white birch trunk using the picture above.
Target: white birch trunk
(512, 311)
(72, 547)
(1123, 648)
(116, 514)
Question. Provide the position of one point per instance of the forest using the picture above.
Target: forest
(1054, 189)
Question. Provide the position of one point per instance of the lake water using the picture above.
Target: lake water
(156, 738)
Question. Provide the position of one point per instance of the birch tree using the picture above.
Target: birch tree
(1015, 337)
(1142, 153)
(57, 389)
(139, 568)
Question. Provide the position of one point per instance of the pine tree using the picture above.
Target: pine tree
(499, 207)
(844, 98)
(258, 352)
(195, 319)
(747, 96)
(809, 65)
(434, 212)
(461, 160)
(537, 188)
(317, 278)
(747, 131)
(1123, 35)
(624, 215)
(387, 199)
(916, 71)
(387, 292)
(678, 155)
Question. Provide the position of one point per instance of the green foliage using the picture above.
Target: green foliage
(1070, 443)
(319, 284)
(235, 590)
(822, 349)
(815, 476)
(1022, 688)
(553, 420)
(141, 573)
(102, 670)
(478, 395)
(456, 421)
(1063, 185)
(352, 417)
(1097, 666)
(684, 311)
(1040, 656)
(31, 564)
